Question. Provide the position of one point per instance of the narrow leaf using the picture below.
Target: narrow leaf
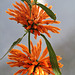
(35, 1)
(14, 44)
(23, 0)
(48, 11)
(53, 58)
(28, 1)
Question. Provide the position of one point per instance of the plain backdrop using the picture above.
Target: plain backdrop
(63, 43)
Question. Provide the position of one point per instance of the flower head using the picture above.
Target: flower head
(35, 21)
(31, 63)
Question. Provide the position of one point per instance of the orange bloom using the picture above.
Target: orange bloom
(36, 22)
(31, 63)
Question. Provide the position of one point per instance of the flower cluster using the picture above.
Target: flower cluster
(31, 63)
(34, 20)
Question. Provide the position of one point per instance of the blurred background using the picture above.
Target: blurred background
(63, 44)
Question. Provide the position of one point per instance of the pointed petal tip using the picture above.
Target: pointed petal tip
(6, 11)
(13, 4)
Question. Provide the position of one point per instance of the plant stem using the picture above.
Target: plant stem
(30, 10)
(29, 30)
(29, 41)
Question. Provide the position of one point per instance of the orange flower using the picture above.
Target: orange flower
(31, 63)
(36, 22)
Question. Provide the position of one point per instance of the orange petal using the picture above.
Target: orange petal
(44, 53)
(41, 72)
(24, 47)
(37, 71)
(19, 71)
(24, 71)
(31, 68)
(16, 7)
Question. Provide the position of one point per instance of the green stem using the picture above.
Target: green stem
(29, 41)
(29, 32)
(30, 10)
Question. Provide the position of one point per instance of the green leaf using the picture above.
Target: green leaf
(35, 1)
(53, 58)
(23, 0)
(14, 44)
(28, 1)
(48, 11)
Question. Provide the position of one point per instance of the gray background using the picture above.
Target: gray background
(63, 44)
